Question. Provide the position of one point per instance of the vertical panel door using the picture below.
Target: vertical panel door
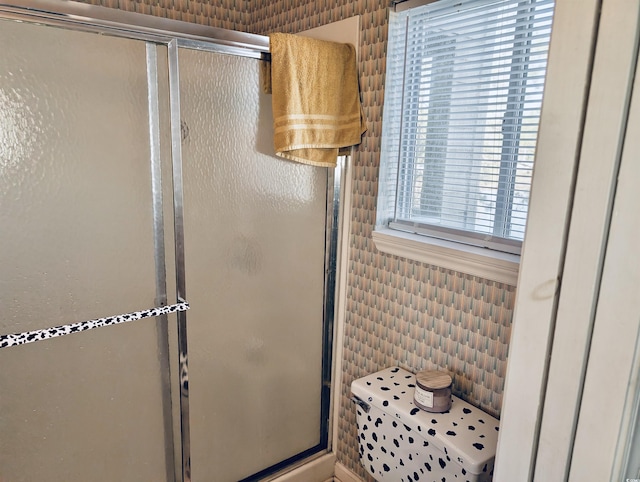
(255, 252)
(76, 244)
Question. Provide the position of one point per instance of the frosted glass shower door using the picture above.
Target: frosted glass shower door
(255, 252)
(76, 244)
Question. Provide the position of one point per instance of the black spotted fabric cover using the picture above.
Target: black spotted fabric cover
(401, 443)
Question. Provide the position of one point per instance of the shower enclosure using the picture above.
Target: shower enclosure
(137, 171)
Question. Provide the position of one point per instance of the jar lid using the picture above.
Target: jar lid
(433, 380)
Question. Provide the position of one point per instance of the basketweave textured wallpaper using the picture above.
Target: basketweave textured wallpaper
(231, 14)
(398, 312)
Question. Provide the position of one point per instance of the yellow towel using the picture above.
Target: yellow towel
(316, 101)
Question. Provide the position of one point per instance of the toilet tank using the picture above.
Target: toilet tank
(400, 442)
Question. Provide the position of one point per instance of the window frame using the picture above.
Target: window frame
(478, 254)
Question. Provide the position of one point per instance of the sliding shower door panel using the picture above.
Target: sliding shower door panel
(255, 252)
(77, 244)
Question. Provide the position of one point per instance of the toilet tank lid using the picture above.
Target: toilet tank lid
(465, 433)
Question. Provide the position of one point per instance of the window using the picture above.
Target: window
(462, 103)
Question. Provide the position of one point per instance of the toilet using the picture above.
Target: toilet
(399, 442)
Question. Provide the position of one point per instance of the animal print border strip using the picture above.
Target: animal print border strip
(39, 335)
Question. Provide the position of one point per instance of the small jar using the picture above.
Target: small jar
(433, 391)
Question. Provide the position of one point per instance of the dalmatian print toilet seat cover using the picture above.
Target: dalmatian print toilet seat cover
(465, 433)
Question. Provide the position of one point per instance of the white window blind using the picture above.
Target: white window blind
(463, 94)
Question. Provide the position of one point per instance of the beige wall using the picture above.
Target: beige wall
(398, 312)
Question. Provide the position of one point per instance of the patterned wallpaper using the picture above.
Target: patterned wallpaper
(231, 14)
(398, 312)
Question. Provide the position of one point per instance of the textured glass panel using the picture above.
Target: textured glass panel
(254, 239)
(77, 244)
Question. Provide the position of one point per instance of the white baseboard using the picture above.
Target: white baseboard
(343, 474)
(318, 470)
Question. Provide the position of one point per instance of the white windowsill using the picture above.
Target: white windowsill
(472, 260)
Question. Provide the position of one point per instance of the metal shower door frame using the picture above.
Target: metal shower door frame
(175, 34)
